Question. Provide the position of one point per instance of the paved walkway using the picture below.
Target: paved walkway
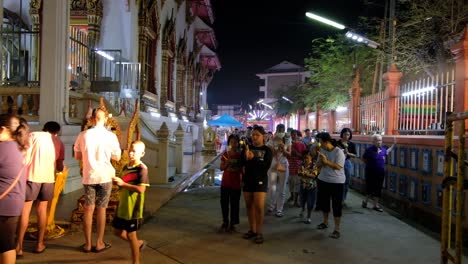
(184, 230)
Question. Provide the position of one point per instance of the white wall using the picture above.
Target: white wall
(14, 6)
(119, 28)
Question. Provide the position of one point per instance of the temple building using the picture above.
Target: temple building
(60, 57)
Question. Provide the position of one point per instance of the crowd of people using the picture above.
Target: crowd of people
(29, 162)
(315, 169)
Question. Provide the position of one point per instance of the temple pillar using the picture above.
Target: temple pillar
(164, 81)
(180, 86)
(53, 69)
(179, 135)
(189, 96)
(162, 169)
(460, 52)
(35, 13)
(142, 53)
(392, 92)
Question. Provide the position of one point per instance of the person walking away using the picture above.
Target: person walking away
(374, 158)
(256, 160)
(14, 141)
(349, 149)
(231, 185)
(43, 163)
(298, 149)
(278, 173)
(132, 185)
(96, 147)
(308, 173)
(330, 181)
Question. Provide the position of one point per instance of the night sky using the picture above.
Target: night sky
(254, 35)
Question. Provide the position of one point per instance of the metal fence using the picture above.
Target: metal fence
(19, 58)
(424, 103)
(372, 112)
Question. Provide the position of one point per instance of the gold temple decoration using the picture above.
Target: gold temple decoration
(133, 133)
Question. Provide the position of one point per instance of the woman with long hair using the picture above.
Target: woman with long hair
(256, 160)
(349, 149)
(13, 144)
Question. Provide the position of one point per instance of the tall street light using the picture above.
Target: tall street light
(325, 20)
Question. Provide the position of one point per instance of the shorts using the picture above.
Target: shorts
(8, 226)
(39, 191)
(127, 225)
(256, 185)
(98, 194)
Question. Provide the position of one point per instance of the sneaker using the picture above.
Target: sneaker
(307, 221)
(279, 214)
(232, 229)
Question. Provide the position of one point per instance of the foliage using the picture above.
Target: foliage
(333, 62)
(425, 30)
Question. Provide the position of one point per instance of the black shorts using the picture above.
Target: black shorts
(8, 226)
(39, 191)
(255, 185)
(127, 225)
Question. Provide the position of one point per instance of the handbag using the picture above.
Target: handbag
(280, 167)
(12, 184)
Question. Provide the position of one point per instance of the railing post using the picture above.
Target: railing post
(179, 135)
(460, 52)
(162, 166)
(392, 92)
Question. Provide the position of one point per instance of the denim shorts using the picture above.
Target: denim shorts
(98, 194)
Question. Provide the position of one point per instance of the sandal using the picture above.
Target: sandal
(249, 235)
(259, 239)
(335, 234)
(364, 204)
(322, 226)
(378, 209)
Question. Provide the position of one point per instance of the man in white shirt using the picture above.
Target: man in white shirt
(96, 147)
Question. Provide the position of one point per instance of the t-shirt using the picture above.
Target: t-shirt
(328, 174)
(42, 155)
(375, 161)
(297, 148)
(131, 203)
(256, 169)
(349, 145)
(97, 145)
(11, 162)
(232, 175)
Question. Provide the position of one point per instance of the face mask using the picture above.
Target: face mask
(280, 135)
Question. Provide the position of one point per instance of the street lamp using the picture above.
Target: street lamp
(361, 39)
(325, 20)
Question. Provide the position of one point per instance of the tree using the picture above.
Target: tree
(333, 62)
(425, 30)
(296, 95)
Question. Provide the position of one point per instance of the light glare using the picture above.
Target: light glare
(325, 20)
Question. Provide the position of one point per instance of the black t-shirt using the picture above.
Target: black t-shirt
(351, 148)
(257, 168)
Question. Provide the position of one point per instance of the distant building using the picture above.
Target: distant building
(230, 109)
(281, 76)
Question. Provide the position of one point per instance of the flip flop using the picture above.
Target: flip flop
(143, 245)
(106, 247)
(83, 249)
(35, 251)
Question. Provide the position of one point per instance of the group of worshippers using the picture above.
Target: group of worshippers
(29, 162)
(316, 169)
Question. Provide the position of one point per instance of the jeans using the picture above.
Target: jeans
(230, 198)
(348, 167)
(307, 196)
